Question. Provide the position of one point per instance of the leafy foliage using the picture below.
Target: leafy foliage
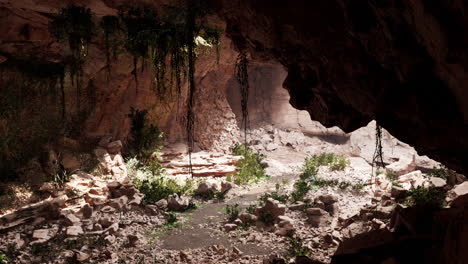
(170, 218)
(308, 179)
(441, 172)
(297, 248)
(430, 195)
(266, 217)
(249, 168)
(3, 259)
(278, 195)
(150, 179)
(232, 212)
(74, 24)
(391, 175)
(145, 138)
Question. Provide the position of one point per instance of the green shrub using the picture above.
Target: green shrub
(232, 212)
(440, 172)
(3, 259)
(278, 195)
(170, 218)
(249, 168)
(333, 161)
(391, 175)
(153, 183)
(340, 163)
(220, 196)
(301, 188)
(251, 208)
(431, 195)
(297, 248)
(145, 138)
(266, 217)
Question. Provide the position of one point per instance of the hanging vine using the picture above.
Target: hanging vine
(377, 158)
(242, 76)
(75, 25)
(164, 42)
(111, 26)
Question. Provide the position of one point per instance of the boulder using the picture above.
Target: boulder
(70, 162)
(74, 231)
(227, 186)
(459, 190)
(118, 203)
(328, 199)
(415, 178)
(114, 147)
(398, 192)
(162, 204)
(438, 182)
(318, 217)
(248, 218)
(71, 220)
(44, 234)
(176, 203)
(94, 200)
(206, 189)
(297, 206)
(86, 211)
(230, 227)
(285, 226)
(272, 207)
(404, 165)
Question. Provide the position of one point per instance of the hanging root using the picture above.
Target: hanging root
(242, 76)
(377, 159)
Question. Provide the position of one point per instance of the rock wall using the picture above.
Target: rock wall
(27, 36)
(269, 102)
(402, 63)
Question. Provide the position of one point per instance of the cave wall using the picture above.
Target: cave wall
(402, 63)
(269, 102)
(27, 36)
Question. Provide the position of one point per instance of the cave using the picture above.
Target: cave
(221, 131)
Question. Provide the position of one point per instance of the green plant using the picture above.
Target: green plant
(266, 217)
(441, 172)
(251, 208)
(391, 175)
(297, 248)
(145, 139)
(170, 218)
(155, 185)
(3, 259)
(220, 196)
(232, 212)
(278, 195)
(75, 25)
(249, 168)
(340, 163)
(430, 195)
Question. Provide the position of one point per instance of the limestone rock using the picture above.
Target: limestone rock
(227, 186)
(248, 218)
(71, 220)
(230, 227)
(206, 189)
(114, 147)
(438, 182)
(74, 231)
(457, 191)
(398, 192)
(176, 203)
(318, 217)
